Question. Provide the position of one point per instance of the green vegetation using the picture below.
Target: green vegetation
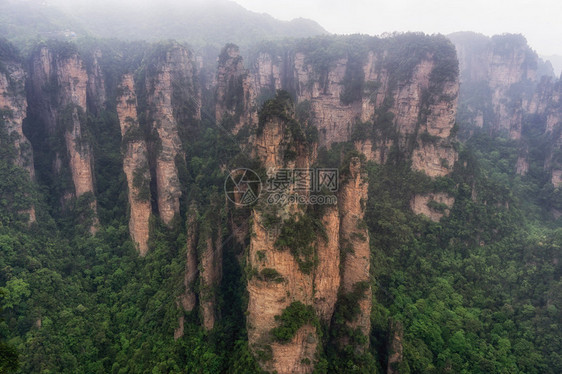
(269, 274)
(471, 290)
(281, 106)
(298, 235)
(477, 292)
(292, 319)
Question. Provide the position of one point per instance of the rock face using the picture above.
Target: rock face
(296, 259)
(365, 98)
(500, 71)
(203, 266)
(360, 97)
(13, 104)
(174, 105)
(395, 347)
(58, 85)
(135, 164)
(434, 205)
(96, 83)
(234, 92)
(502, 90)
(13, 107)
(277, 278)
(354, 240)
(547, 104)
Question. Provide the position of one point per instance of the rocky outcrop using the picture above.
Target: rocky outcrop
(359, 97)
(203, 266)
(13, 106)
(210, 275)
(354, 239)
(297, 259)
(58, 86)
(96, 83)
(502, 89)
(235, 94)
(395, 348)
(433, 205)
(13, 111)
(135, 164)
(327, 278)
(188, 298)
(174, 105)
(498, 75)
(362, 96)
(276, 277)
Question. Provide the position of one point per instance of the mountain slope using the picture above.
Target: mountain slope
(197, 22)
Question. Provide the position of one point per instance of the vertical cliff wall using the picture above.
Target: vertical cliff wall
(58, 84)
(13, 111)
(354, 238)
(303, 261)
(388, 95)
(281, 272)
(135, 164)
(235, 95)
(364, 92)
(174, 105)
(507, 91)
(96, 90)
(13, 104)
(498, 75)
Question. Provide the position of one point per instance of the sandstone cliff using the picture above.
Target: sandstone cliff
(96, 83)
(13, 104)
(235, 93)
(278, 275)
(58, 87)
(13, 110)
(135, 164)
(497, 75)
(503, 91)
(354, 239)
(362, 93)
(174, 105)
(302, 259)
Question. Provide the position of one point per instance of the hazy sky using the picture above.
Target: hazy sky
(539, 20)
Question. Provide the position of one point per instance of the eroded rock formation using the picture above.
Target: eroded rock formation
(365, 98)
(13, 110)
(58, 86)
(174, 105)
(360, 98)
(135, 164)
(505, 88)
(433, 205)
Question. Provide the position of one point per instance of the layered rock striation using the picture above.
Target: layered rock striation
(58, 84)
(13, 111)
(135, 164)
(174, 106)
(509, 91)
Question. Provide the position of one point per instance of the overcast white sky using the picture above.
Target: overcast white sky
(539, 20)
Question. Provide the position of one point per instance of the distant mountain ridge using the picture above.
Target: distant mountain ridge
(556, 62)
(214, 22)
